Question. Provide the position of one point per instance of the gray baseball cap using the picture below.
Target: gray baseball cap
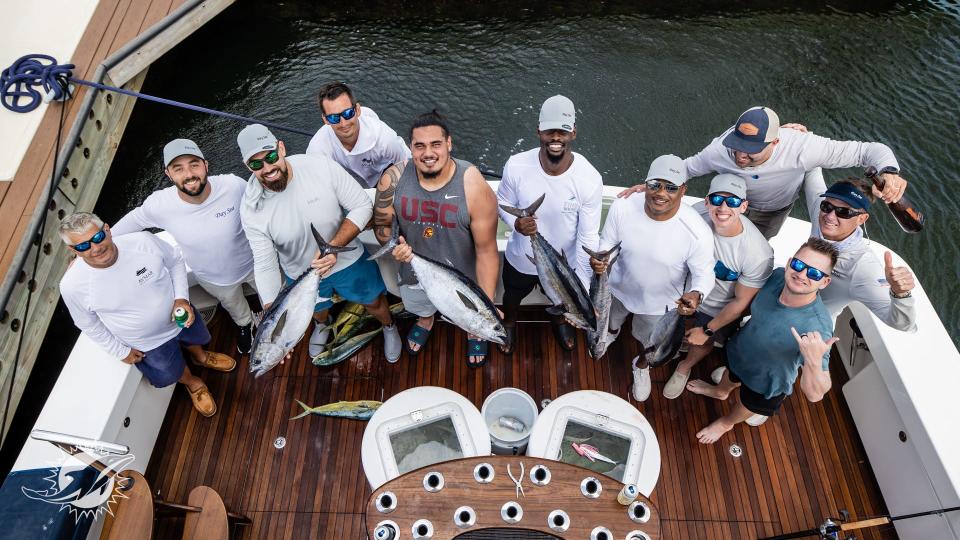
(729, 183)
(670, 168)
(254, 139)
(180, 147)
(557, 112)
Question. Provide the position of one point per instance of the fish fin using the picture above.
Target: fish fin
(391, 243)
(602, 255)
(467, 302)
(306, 410)
(532, 260)
(524, 212)
(555, 310)
(325, 248)
(257, 318)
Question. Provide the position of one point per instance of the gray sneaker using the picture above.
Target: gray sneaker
(392, 344)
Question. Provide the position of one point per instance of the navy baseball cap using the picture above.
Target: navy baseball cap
(848, 193)
(754, 130)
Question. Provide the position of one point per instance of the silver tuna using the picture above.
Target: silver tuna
(598, 338)
(666, 338)
(454, 295)
(283, 325)
(557, 279)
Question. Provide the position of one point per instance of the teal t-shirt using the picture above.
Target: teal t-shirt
(764, 354)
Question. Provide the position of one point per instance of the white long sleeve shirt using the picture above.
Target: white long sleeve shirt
(859, 274)
(378, 146)
(775, 183)
(129, 304)
(319, 192)
(569, 216)
(209, 234)
(656, 257)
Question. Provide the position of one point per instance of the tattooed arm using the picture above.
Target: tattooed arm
(383, 203)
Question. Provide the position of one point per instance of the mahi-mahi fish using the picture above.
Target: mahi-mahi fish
(557, 279)
(283, 325)
(357, 410)
(598, 338)
(456, 297)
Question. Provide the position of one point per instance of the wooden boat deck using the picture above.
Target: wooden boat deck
(803, 465)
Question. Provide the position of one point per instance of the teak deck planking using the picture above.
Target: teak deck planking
(805, 464)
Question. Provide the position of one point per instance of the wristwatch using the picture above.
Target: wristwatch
(707, 331)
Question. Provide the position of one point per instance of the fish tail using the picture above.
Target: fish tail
(391, 243)
(306, 410)
(601, 255)
(524, 212)
(325, 248)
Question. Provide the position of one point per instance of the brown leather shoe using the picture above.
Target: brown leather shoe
(217, 361)
(203, 401)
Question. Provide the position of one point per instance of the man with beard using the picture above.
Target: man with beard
(124, 293)
(838, 215)
(355, 137)
(287, 195)
(568, 218)
(666, 259)
(445, 210)
(789, 329)
(202, 213)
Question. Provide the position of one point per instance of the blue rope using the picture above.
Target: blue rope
(21, 80)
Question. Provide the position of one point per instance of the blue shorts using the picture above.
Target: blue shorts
(164, 365)
(360, 282)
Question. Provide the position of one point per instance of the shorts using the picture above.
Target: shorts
(164, 365)
(415, 300)
(768, 222)
(516, 284)
(719, 336)
(754, 402)
(642, 326)
(360, 282)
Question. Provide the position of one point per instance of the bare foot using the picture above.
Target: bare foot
(713, 432)
(698, 386)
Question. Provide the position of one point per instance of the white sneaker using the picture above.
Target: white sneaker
(391, 343)
(641, 381)
(319, 338)
(757, 420)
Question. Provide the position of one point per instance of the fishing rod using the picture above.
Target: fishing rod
(832, 528)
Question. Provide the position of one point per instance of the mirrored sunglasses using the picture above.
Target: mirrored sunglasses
(95, 239)
(346, 114)
(813, 273)
(272, 157)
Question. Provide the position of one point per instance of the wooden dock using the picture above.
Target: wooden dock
(113, 25)
(803, 465)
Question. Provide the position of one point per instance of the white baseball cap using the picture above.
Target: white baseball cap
(254, 139)
(670, 168)
(729, 183)
(180, 147)
(557, 112)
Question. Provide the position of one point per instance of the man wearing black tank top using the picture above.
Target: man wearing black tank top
(447, 211)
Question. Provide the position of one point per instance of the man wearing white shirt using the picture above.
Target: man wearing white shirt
(568, 218)
(203, 214)
(123, 295)
(355, 137)
(744, 261)
(838, 215)
(666, 258)
(287, 195)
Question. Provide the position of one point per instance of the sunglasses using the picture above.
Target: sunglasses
(723, 273)
(842, 212)
(654, 186)
(732, 201)
(799, 266)
(272, 157)
(95, 239)
(347, 114)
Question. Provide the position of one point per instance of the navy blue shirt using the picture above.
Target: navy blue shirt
(764, 354)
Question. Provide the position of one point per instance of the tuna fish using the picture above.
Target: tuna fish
(666, 338)
(557, 279)
(454, 295)
(283, 325)
(598, 338)
(356, 410)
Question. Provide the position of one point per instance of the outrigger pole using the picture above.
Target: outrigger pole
(832, 528)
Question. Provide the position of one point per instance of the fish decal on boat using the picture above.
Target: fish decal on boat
(598, 337)
(666, 338)
(70, 486)
(356, 410)
(558, 280)
(283, 325)
(591, 452)
(456, 297)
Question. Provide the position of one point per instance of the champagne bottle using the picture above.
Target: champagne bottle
(910, 218)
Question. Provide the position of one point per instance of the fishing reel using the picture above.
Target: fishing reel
(830, 529)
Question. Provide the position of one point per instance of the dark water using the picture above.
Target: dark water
(646, 81)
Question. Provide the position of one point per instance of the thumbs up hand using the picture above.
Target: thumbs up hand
(899, 277)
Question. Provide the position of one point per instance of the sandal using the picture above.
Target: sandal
(511, 331)
(477, 347)
(418, 335)
(565, 334)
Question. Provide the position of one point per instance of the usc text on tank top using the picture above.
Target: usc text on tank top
(436, 224)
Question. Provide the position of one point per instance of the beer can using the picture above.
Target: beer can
(180, 316)
(627, 494)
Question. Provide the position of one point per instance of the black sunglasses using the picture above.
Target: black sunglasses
(654, 186)
(842, 212)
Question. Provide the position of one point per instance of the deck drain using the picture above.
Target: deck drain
(735, 450)
(544, 402)
(279, 442)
